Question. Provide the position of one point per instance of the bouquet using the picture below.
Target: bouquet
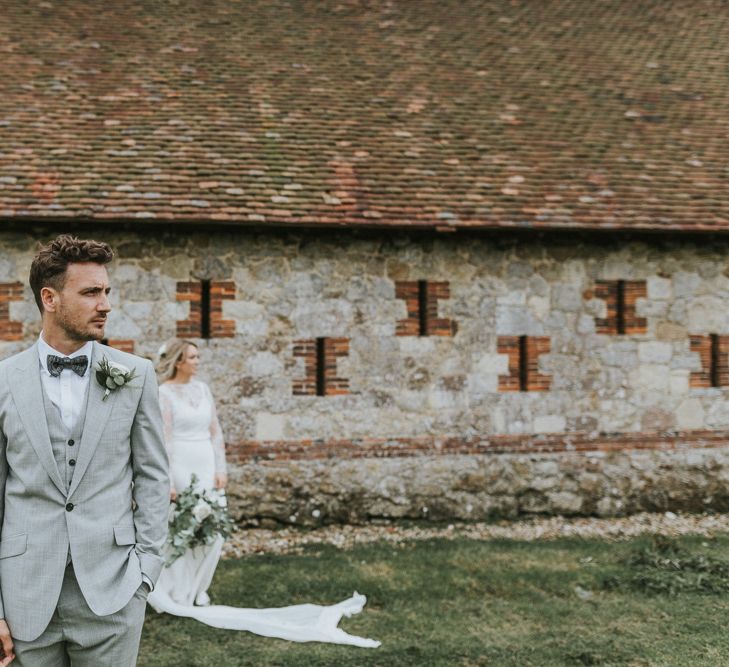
(197, 518)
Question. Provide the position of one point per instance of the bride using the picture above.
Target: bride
(195, 445)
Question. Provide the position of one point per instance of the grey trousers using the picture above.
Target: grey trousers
(76, 637)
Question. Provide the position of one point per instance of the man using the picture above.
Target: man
(84, 489)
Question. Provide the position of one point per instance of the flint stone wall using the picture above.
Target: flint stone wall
(291, 286)
(466, 487)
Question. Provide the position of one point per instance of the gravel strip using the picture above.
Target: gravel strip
(292, 540)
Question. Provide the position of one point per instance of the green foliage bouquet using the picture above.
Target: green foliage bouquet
(197, 518)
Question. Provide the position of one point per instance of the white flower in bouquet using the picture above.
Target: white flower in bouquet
(197, 517)
(218, 495)
(201, 511)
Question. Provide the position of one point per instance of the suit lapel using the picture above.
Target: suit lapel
(27, 393)
(98, 412)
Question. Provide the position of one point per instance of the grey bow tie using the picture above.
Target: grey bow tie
(56, 364)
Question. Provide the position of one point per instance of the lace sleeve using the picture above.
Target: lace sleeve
(216, 435)
(165, 404)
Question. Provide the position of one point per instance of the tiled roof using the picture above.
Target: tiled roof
(472, 113)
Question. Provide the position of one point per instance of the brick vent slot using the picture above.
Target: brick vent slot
(206, 309)
(320, 366)
(523, 363)
(423, 307)
(421, 301)
(620, 307)
(524, 353)
(321, 375)
(713, 352)
(621, 297)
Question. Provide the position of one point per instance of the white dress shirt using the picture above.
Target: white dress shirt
(67, 391)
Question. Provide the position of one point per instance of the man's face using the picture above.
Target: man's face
(81, 307)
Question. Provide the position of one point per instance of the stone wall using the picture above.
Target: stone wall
(335, 341)
(468, 487)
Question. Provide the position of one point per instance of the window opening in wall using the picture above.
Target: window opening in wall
(320, 367)
(423, 307)
(204, 309)
(523, 364)
(714, 369)
(620, 307)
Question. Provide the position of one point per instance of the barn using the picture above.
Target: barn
(444, 260)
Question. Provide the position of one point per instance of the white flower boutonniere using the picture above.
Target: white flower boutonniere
(111, 376)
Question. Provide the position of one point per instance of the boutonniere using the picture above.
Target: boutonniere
(112, 376)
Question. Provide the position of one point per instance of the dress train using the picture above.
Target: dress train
(297, 623)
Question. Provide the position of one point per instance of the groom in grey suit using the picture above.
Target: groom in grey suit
(84, 490)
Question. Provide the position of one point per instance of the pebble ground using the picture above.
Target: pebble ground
(249, 541)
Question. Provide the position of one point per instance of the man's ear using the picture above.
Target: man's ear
(49, 299)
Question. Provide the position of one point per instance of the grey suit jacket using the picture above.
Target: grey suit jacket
(121, 458)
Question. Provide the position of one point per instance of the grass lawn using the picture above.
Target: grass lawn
(507, 603)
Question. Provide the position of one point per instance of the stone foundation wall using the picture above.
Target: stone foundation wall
(317, 338)
(481, 487)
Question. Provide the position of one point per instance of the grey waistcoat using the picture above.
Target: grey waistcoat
(66, 455)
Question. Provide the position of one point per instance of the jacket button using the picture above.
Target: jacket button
(72, 462)
(69, 507)
(71, 443)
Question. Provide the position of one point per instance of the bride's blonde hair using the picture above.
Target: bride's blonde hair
(171, 352)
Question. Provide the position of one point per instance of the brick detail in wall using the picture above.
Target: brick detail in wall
(320, 363)
(208, 324)
(276, 451)
(713, 351)
(9, 329)
(306, 350)
(221, 290)
(119, 344)
(421, 300)
(192, 326)
(621, 297)
(524, 353)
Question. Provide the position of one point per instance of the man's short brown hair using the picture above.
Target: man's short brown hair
(52, 259)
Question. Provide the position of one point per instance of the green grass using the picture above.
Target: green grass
(502, 603)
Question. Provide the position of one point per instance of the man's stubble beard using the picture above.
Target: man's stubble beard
(72, 330)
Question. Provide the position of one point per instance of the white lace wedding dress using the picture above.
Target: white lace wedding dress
(195, 445)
